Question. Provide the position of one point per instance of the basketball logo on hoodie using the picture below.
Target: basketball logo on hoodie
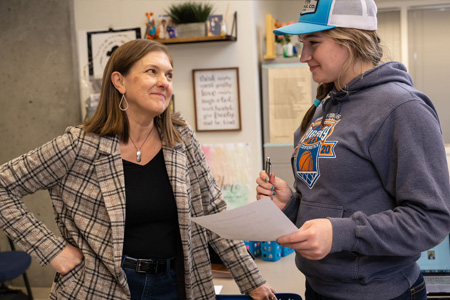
(312, 147)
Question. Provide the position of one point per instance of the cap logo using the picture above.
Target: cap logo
(309, 7)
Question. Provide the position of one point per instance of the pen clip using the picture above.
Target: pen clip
(268, 167)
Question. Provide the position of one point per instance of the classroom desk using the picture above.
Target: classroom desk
(282, 275)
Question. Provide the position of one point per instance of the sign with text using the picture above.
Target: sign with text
(216, 96)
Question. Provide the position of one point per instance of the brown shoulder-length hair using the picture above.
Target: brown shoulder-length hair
(363, 45)
(108, 119)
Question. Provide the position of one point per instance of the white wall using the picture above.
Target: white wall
(246, 53)
(103, 14)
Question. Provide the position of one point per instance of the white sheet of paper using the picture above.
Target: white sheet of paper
(218, 289)
(258, 221)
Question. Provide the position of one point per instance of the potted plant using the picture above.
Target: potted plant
(190, 18)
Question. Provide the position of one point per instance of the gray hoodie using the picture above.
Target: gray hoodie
(376, 168)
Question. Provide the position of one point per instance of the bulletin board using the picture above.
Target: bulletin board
(290, 97)
(216, 98)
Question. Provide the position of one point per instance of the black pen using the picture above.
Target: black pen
(268, 168)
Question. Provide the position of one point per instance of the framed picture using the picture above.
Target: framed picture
(216, 98)
(101, 44)
(166, 27)
(214, 25)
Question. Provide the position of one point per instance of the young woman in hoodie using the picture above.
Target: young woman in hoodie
(371, 185)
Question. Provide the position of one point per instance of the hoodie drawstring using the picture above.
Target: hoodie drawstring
(338, 98)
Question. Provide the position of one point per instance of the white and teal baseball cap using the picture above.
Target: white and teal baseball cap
(320, 15)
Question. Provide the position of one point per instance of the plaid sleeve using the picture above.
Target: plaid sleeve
(39, 169)
(233, 253)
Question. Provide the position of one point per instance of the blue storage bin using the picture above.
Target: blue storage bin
(271, 251)
(280, 296)
(285, 251)
(254, 247)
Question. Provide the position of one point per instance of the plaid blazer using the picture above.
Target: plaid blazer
(84, 176)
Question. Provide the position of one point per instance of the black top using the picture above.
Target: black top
(151, 225)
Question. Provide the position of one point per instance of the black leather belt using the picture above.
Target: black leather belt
(152, 266)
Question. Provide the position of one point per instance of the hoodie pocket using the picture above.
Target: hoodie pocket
(339, 266)
(310, 210)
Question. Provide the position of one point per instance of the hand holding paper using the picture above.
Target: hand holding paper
(258, 221)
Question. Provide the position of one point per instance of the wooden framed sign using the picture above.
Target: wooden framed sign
(216, 98)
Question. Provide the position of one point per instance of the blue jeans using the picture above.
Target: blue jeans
(147, 286)
(417, 292)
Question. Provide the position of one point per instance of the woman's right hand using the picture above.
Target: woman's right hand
(67, 260)
(275, 188)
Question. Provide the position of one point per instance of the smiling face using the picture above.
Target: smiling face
(148, 85)
(327, 60)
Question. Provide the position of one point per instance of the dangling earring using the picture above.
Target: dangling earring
(126, 102)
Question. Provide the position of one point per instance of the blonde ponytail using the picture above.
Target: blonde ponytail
(322, 91)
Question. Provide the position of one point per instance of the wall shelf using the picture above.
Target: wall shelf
(203, 39)
(200, 39)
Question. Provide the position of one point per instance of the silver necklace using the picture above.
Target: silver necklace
(139, 153)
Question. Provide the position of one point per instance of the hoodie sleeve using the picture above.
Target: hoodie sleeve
(409, 155)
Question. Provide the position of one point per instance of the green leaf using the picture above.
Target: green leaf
(189, 12)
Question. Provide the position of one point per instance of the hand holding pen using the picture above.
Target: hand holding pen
(306, 241)
(272, 186)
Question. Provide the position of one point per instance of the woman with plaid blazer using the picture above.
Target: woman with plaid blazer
(109, 208)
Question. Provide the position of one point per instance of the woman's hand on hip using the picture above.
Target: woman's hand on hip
(67, 259)
(313, 240)
(275, 188)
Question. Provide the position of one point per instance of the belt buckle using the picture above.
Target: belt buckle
(139, 263)
(138, 266)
